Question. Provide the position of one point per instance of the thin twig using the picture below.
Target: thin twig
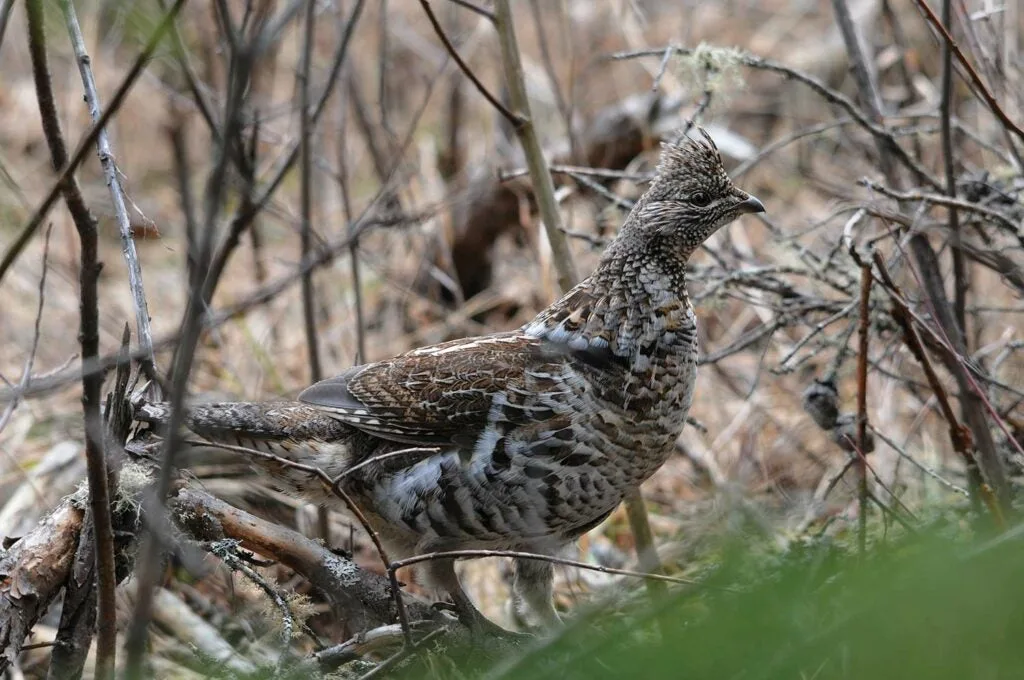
(918, 464)
(662, 67)
(306, 156)
(960, 281)
(863, 337)
(515, 119)
(26, 374)
(5, 16)
(549, 67)
(320, 258)
(986, 94)
(306, 131)
(879, 132)
(75, 159)
(464, 554)
(110, 171)
(227, 550)
(477, 9)
(151, 550)
(959, 435)
(183, 176)
(342, 177)
(930, 276)
(334, 487)
(243, 219)
(402, 654)
(945, 201)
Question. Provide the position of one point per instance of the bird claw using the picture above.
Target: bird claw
(480, 627)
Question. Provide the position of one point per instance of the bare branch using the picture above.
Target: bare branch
(986, 94)
(32, 573)
(535, 160)
(89, 139)
(89, 270)
(110, 171)
(512, 117)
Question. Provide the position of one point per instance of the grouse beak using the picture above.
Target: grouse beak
(750, 205)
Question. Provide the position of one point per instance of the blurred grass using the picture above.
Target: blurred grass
(936, 605)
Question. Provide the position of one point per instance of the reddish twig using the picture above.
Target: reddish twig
(959, 435)
(863, 337)
(986, 94)
(930, 275)
(515, 119)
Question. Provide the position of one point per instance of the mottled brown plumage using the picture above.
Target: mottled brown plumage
(526, 439)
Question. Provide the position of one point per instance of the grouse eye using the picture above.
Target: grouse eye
(700, 199)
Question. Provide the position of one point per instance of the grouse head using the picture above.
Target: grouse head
(690, 198)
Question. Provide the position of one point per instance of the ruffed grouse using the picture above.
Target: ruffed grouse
(521, 440)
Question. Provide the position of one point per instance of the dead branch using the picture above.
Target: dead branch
(100, 479)
(959, 436)
(32, 573)
(151, 553)
(110, 171)
(863, 338)
(927, 261)
(364, 597)
(76, 158)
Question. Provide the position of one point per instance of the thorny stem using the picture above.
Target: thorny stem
(92, 384)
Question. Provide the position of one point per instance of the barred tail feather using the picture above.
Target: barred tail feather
(289, 430)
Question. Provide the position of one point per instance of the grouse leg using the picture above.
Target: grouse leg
(532, 592)
(441, 573)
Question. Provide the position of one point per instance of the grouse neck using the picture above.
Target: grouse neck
(648, 271)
